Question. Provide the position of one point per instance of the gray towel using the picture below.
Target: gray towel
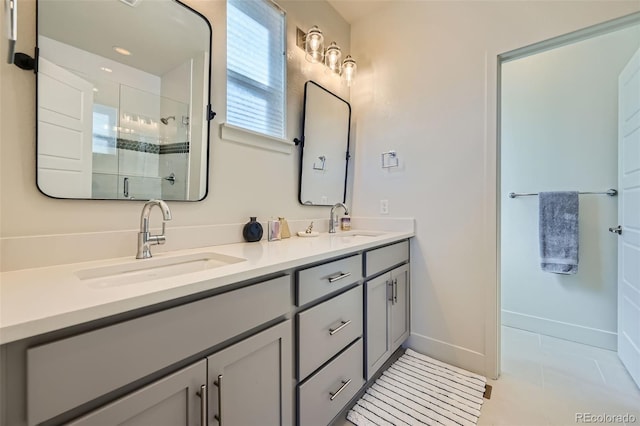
(558, 226)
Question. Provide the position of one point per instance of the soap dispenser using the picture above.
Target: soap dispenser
(345, 223)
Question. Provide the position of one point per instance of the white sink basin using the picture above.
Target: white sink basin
(151, 269)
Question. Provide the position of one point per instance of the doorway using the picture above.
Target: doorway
(559, 132)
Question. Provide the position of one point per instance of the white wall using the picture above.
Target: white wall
(241, 179)
(427, 88)
(559, 132)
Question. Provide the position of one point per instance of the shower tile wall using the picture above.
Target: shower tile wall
(145, 172)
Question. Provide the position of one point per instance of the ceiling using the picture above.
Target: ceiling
(353, 10)
(161, 34)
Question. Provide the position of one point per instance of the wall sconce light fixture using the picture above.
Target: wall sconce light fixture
(314, 45)
(312, 42)
(349, 68)
(333, 57)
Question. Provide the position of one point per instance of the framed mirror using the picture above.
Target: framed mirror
(123, 100)
(324, 152)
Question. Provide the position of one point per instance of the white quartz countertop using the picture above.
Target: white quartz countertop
(40, 300)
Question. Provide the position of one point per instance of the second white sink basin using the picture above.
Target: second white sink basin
(155, 268)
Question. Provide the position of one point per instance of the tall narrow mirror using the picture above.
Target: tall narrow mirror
(123, 99)
(324, 155)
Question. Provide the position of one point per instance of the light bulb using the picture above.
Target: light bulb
(314, 45)
(349, 68)
(332, 57)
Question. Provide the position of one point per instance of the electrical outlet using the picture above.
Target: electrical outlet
(384, 206)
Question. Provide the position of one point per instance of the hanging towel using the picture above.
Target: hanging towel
(558, 226)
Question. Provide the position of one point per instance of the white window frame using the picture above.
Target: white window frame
(236, 132)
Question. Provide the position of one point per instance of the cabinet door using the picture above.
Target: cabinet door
(251, 382)
(378, 292)
(171, 401)
(400, 317)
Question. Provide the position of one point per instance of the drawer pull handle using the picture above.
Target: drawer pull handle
(333, 331)
(335, 394)
(218, 383)
(338, 277)
(203, 404)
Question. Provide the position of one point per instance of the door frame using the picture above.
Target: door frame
(532, 49)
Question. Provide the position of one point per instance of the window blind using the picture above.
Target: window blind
(256, 72)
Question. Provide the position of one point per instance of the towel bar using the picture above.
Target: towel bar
(610, 192)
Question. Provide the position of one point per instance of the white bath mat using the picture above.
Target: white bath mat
(417, 390)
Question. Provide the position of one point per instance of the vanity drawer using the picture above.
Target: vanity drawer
(327, 278)
(384, 258)
(341, 379)
(70, 372)
(327, 328)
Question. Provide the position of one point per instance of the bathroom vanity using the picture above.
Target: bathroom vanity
(287, 335)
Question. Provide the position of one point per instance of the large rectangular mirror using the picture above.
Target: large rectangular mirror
(324, 154)
(123, 105)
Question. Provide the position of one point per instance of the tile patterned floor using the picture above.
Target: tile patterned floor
(549, 381)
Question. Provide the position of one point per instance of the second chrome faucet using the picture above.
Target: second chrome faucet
(333, 220)
(145, 239)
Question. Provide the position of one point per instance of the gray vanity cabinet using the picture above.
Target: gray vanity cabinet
(225, 359)
(251, 382)
(329, 339)
(387, 322)
(399, 306)
(172, 401)
(62, 375)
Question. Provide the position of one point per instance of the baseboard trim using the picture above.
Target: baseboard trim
(563, 330)
(449, 353)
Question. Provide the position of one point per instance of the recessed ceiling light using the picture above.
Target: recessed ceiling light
(95, 89)
(122, 50)
(105, 69)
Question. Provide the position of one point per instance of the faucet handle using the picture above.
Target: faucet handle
(157, 239)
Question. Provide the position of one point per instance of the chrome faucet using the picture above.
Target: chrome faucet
(145, 239)
(332, 217)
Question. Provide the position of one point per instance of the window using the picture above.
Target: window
(104, 129)
(256, 73)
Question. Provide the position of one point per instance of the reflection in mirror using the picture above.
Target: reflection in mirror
(324, 154)
(123, 99)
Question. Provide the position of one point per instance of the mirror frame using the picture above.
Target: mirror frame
(301, 142)
(208, 108)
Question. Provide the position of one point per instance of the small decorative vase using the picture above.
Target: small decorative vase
(252, 230)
